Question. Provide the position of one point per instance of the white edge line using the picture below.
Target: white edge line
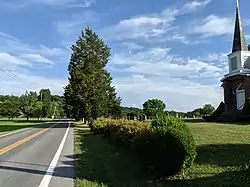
(49, 173)
(24, 129)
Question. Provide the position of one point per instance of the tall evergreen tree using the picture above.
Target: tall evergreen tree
(90, 93)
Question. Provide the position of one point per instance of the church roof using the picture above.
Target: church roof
(239, 41)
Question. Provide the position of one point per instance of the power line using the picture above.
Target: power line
(12, 76)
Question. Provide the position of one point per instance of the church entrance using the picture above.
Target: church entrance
(240, 97)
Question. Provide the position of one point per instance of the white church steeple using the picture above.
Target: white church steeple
(239, 59)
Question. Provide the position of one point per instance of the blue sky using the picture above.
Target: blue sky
(172, 50)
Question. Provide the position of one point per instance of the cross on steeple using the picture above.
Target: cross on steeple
(239, 41)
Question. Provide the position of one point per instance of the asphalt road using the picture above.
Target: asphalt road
(41, 156)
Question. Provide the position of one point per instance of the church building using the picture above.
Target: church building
(236, 83)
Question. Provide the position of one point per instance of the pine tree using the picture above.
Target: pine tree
(90, 93)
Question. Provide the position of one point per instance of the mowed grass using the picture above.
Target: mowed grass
(7, 126)
(223, 151)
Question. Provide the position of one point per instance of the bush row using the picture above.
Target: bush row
(166, 146)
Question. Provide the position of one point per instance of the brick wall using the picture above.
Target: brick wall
(230, 85)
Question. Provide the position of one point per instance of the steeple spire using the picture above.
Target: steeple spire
(237, 4)
(239, 41)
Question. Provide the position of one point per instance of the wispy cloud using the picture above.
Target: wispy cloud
(76, 23)
(16, 46)
(18, 61)
(8, 59)
(36, 58)
(16, 83)
(194, 5)
(159, 61)
(178, 94)
(157, 72)
(153, 25)
(214, 25)
(52, 3)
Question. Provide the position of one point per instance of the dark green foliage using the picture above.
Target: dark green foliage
(216, 114)
(208, 109)
(27, 102)
(10, 107)
(30, 105)
(130, 112)
(171, 144)
(175, 113)
(154, 107)
(90, 93)
(166, 148)
(45, 97)
(164, 120)
(37, 109)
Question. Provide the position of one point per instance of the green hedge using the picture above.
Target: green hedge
(166, 147)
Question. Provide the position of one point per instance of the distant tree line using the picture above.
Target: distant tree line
(154, 107)
(32, 104)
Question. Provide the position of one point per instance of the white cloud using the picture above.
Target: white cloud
(132, 45)
(178, 94)
(36, 58)
(214, 26)
(158, 61)
(194, 5)
(17, 66)
(180, 82)
(16, 46)
(10, 60)
(52, 3)
(20, 82)
(153, 25)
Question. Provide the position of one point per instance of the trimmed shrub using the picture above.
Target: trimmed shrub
(122, 130)
(166, 147)
(167, 121)
(99, 125)
(169, 147)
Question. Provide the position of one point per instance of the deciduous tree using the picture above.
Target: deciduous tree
(154, 107)
(208, 109)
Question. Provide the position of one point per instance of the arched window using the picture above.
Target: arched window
(240, 87)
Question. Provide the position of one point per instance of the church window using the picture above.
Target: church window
(240, 87)
(234, 63)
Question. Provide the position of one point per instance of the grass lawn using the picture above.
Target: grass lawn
(223, 150)
(7, 126)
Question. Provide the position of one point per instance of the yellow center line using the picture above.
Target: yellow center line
(22, 141)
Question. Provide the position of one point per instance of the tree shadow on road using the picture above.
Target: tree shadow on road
(65, 171)
(6, 128)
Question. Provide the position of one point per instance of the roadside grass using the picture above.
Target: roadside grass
(7, 125)
(101, 163)
(223, 150)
